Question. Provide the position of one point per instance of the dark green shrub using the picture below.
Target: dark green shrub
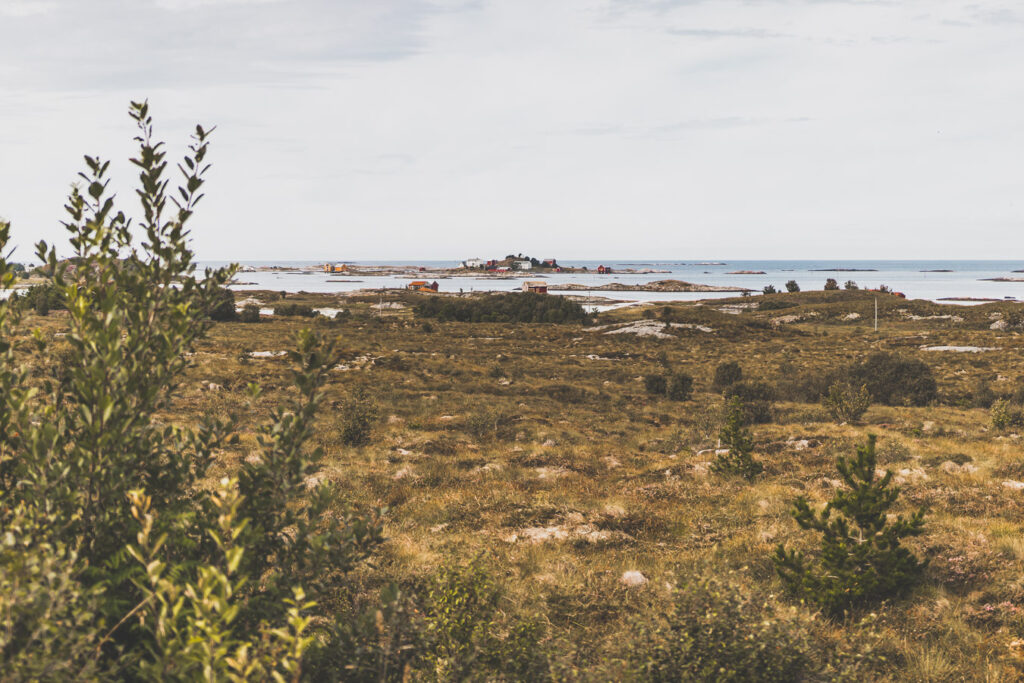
(757, 399)
(861, 559)
(525, 307)
(792, 287)
(491, 425)
(222, 306)
(463, 631)
(775, 304)
(850, 285)
(719, 631)
(892, 380)
(727, 374)
(769, 289)
(831, 284)
(295, 310)
(846, 403)
(679, 386)
(656, 384)
(41, 299)
(739, 458)
(982, 395)
(359, 414)
(250, 314)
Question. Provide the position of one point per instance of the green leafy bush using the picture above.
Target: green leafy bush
(738, 459)
(463, 631)
(845, 403)
(861, 558)
(525, 307)
(769, 289)
(893, 380)
(1005, 416)
(850, 285)
(718, 631)
(831, 284)
(792, 287)
(121, 549)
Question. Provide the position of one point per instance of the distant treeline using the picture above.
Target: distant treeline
(503, 308)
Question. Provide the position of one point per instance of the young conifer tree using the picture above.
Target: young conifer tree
(734, 436)
(861, 557)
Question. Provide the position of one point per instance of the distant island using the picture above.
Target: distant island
(656, 286)
(746, 272)
(844, 270)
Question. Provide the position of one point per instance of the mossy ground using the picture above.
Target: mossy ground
(537, 447)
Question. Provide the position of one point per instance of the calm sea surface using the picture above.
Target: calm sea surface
(963, 279)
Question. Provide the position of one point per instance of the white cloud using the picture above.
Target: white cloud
(577, 128)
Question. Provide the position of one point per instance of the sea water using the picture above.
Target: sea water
(916, 279)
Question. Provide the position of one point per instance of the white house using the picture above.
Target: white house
(474, 263)
(522, 265)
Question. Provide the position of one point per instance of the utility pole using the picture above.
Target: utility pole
(876, 314)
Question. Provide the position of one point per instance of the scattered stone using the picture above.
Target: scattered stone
(961, 349)
(548, 444)
(612, 462)
(395, 420)
(908, 475)
(951, 467)
(851, 316)
(267, 354)
(1015, 485)
(785, 319)
(404, 473)
(632, 579)
(998, 325)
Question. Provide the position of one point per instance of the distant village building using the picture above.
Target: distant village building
(602, 270)
(422, 286)
(549, 263)
(522, 265)
(335, 268)
(474, 263)
(535, 286)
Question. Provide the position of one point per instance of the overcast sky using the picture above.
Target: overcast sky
(677, 129)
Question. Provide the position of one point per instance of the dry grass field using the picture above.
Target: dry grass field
(534, 451)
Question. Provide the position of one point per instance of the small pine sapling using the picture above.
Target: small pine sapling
(861, 557)
(740, 444)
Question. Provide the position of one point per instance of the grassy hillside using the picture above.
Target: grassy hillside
(535, 449)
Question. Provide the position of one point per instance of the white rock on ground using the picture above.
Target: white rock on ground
(632, 579)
